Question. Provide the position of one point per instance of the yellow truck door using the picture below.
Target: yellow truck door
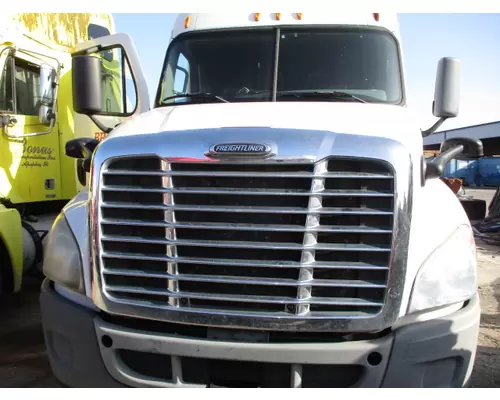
(29, 157)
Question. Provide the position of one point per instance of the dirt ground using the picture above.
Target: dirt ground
(23, 360)
(487, 367)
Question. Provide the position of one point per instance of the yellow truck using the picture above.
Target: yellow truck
(37, 120)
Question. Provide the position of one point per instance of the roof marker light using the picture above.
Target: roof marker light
(299, 16)
(376, 16)
(278, 16)
(256, 17)
(187, 21)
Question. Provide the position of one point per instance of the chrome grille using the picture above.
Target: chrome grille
(272, 239)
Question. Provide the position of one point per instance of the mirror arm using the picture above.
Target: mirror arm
(435, 168)
(434, 127)
(102, 127)
(81, 147)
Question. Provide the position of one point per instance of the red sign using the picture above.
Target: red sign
(99, 135)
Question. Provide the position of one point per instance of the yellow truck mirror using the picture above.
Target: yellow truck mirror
(47, 94)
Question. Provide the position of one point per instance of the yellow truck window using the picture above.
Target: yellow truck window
(19, 91)
(27, 83)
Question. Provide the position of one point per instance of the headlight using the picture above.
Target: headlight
(62, 262)
(448, 275)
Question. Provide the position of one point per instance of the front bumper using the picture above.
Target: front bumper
(85, 350)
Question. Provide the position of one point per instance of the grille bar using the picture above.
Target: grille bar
(310, 240)
(246, 299)
(169, 217)
(245, 263)
(243, 245)
(256, 192)
(250, 210)
(251, 227)
(338, 175)
(243, 280)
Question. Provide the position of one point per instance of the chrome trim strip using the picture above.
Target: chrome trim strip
(245, 263)
(244, 280)
(317, 146)
(250, 210)
(169, 217)
(329, 175)
(338, 301)
(310, 245)
(249, 227)
(257, 192)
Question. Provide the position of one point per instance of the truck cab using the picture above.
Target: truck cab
(270, 222)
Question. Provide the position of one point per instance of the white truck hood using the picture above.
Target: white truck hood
(387, 121)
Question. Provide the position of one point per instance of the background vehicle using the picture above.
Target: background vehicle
(267, 223)
(37, 119)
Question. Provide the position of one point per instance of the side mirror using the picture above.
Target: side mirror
(87, 76)
(82, 149)
(461, 148)
(447, 91)
(47, 94)
(472, 148)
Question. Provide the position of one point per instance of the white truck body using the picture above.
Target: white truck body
(429, 298)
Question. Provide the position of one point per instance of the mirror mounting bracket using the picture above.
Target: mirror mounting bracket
(102, 127)
(434, 127)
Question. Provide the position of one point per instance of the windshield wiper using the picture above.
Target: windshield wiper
(323, 95)
(196, 96)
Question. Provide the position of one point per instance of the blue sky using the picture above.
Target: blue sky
(474, 38)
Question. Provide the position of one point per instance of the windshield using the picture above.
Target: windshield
(240, 66)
